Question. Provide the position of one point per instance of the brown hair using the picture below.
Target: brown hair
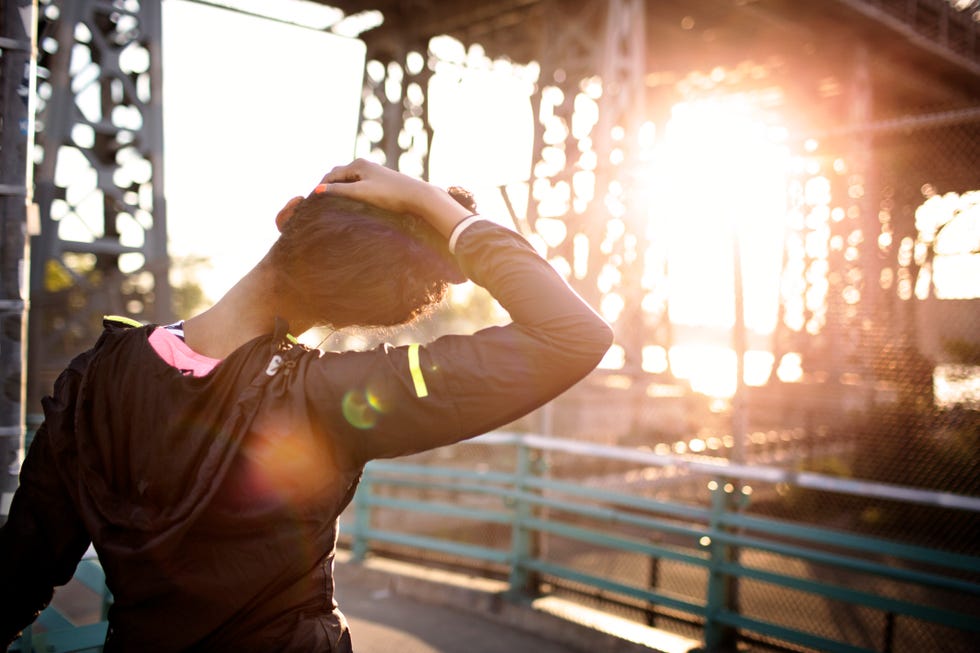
(341, 262)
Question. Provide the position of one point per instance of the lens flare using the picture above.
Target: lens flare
(358, 410)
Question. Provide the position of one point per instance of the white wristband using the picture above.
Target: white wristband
(460, 228)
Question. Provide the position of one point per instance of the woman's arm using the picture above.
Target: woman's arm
(397, 400)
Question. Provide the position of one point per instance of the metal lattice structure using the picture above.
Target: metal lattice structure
(881, 102)
(16, 80)
(99, 181)
(102, 243)
(595, 54)
(841, 71)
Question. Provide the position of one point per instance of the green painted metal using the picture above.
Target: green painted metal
(59, 634)
(621, 588)
(482, 553)
(809, 640)
(521, 542)
(718, 536)
(441, 509)
(362, 517)
(90, 637)
(945, 617)
(611, 515)
(721, 586)
(865, 543)
(457, 486)
(854, 564)
(613, 542)
(380, 467)
(694, 513)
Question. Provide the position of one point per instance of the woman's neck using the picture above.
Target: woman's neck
(245, 312)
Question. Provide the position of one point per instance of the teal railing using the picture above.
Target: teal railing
(801, 577)
(57, 630)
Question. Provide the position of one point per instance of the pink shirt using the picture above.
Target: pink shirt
(175, 352)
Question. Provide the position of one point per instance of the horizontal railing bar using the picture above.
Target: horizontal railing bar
(545, 484)
(611, 516)
(642, 503)
(435, 544)
(803, 638)
(441, 509)
(77, 638)
(474, 488)
(847, 562)
(886, 604)
(725, 468)
(857, 542)
(561, 571)
(376, 467)
(619, 543)
(594, 512)
(603, 514)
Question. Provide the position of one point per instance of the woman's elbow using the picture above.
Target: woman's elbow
(603, 339)
(593, 342)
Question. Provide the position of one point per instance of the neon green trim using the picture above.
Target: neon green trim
(416, 369)
(125, 320)
(291, 338)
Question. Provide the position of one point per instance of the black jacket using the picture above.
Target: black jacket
(213, 501)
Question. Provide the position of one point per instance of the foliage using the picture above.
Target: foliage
(187, 297)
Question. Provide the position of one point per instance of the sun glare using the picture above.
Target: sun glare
(716, 177)
(719, 182)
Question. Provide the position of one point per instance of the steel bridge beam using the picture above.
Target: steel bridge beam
(99, 182)
(930, 25)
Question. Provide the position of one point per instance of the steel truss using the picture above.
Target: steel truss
(586, 50)
(99, 181)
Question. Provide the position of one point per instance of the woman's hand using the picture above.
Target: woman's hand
(391, 190)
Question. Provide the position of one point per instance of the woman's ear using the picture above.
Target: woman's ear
(286, 212)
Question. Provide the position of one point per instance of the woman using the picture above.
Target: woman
(208, 466)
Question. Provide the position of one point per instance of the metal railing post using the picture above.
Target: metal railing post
(362, 518)
(721, 586)
(521, 543)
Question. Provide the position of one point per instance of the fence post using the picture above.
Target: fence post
(520, 541)
(889, 632)
(653, 581)
(362, 518)
(721, 592)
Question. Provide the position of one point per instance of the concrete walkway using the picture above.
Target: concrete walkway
(398, 607)
(384, 622)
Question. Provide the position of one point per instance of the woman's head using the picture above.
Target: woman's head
(341, 262)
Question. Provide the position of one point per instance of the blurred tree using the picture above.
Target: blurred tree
(186, 294)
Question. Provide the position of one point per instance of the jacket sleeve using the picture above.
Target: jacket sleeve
(397, 400)
(43, 538)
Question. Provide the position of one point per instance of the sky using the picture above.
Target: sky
(255, 112)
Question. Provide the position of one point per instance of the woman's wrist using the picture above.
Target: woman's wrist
(442, 211)
(460, 227)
